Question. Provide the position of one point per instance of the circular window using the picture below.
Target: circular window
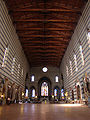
(45, 69)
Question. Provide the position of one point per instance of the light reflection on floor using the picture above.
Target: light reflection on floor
(70, 105)
(44, 112)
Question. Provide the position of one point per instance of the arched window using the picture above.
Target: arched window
(56, 79)
(75, 61)
(26, 93)
(67, 70)
(33, 92)
(22, 72)
(44, 89)
(55, 92)
(88, 36)
(81, 53)
(70, 66)
(18, 71)
(13, 65)
(32, 78)
(62, 93)
(5, 57)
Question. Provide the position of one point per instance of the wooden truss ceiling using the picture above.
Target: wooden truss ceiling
(45, 27)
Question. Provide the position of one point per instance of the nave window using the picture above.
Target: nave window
(5, 57)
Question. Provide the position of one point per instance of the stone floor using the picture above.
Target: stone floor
(44, 112)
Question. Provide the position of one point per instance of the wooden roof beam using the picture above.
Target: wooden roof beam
(45, 54)
(45, 10)
(46, 29)
(46, 42)
(40, 39)
(44, 36)
(48, 20)
(44, 33)
(46, 48)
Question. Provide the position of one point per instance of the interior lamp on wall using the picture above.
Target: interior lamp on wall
(44, 69)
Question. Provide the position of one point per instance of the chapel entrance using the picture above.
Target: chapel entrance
(78, 92)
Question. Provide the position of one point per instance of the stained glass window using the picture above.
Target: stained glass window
(62, 92)
(44, 89)
(55, 92)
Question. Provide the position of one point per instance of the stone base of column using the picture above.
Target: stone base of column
(89, 101)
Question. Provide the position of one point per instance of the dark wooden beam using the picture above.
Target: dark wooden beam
(61, 39)
(43, 36)
(78, 11)
(44, 44)
(48, 20)
(45, 30)
(41, 29)
(46, 48)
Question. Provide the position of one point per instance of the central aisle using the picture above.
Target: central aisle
(43, 112)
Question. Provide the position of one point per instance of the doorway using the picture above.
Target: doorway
(78, 93)
(72, 95)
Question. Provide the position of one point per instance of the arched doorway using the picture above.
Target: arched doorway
(78, 93)
(57, 93)
(44, 88)
(72, 95)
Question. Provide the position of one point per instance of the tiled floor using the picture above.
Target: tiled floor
(44, 112)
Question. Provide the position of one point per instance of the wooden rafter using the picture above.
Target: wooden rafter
(45, 27)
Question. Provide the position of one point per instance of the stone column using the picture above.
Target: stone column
(36, 90)
(52, 94)
(6, 87)
(19, 94)
(89, 99)
(1, 85)
(13, 92)
(88, 86)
